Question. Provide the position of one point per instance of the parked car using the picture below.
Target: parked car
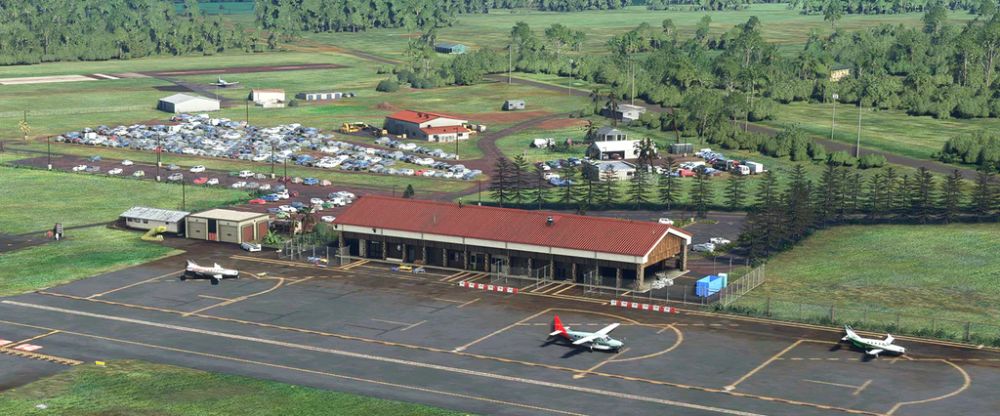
(245, 174)
(201, 180)
(327, 218)
(173, 167)
(719, 241)
(316, 201)
(258, 201)
(79, 168)
(287, 208)
(115, 171)
(95, 158)
(310, 181)
(274, 210)
(703, 247)
(666, 221)
(264, 187)
(138, 173)
(298, 205)
(197, 169)
(175, 177)
(239, 185)
(251, 247)
(212, 181)
(127, 162)
(271, 197)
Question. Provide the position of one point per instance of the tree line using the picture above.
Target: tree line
(294, 16)
(826, 7)
(33, 31)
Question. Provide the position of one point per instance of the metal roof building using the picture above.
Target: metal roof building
(513, 241)
(145, 218)
(184, 103)
(227, 226)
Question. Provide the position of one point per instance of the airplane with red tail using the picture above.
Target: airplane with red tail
(595, 340)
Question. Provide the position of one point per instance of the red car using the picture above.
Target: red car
(258, 201)
(201, 180)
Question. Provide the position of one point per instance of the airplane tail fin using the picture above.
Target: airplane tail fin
(849, 331)
(557, 327)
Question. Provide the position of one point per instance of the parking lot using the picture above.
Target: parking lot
(420, 337)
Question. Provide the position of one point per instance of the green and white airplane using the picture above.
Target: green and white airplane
(872, 346)
(595, 340)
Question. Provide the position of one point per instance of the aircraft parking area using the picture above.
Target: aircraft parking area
(367, 330)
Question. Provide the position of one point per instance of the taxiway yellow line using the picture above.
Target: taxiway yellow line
(494, 333)
(396, 361)
(281, 281)
(25, 341)
(762, 365)
(861, 387)
(846, 386)
(584, 373)
(413, 325)
(966, 382)
(130, 285)
(568, 287)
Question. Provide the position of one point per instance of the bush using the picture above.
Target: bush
(387, 85)
(871, 160)
(841, 158)
(293, 103)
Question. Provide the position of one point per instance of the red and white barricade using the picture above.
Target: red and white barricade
(643, 306)
(488, 287)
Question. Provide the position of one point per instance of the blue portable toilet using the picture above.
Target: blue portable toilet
(710, 285)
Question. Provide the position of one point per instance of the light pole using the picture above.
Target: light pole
(833, 124)
(158, 150)
(48, 145)
(183, 195)
(272, 159)
(857, 148)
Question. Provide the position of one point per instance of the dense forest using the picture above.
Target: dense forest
(291, 16)
(840, 7)
(33, 31)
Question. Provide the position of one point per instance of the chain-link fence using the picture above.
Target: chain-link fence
(873, 318)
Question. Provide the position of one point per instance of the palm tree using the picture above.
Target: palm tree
(646, 151)
(612, 106)
(672, 115)
(589, 130)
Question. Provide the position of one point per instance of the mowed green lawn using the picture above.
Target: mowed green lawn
(34, 200)
(780, 25)
(890, 131)
(940, 271)
(140, 388)
(83, 253)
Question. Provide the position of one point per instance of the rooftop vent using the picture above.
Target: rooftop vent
(549, 220)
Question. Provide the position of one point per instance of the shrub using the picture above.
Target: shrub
(871, 160)
(387, 85)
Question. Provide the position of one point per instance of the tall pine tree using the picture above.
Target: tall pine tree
(735, 191)
(669, 186)
(951, 196)
(500, 185)
(701, 194)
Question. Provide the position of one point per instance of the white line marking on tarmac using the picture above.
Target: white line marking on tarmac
(455, 370)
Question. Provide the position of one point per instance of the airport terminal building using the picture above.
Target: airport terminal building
(511, 241)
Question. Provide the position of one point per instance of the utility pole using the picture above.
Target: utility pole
(157, 150)
(248, 113)
(510, 61)
(833, 124)
(272, 158)
(48, 145)
(183, 195)
(857, 149)
(632, 67)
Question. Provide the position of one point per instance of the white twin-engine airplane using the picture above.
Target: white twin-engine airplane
(872, 346)
(223, 83)
(215, 273)
(595, 340)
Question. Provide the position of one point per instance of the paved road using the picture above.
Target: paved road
(421, 338)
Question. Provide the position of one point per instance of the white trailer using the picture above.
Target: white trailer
(755, 167)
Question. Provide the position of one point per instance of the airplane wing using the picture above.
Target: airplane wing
(586, 339)
(874, 352)
(889, 338)
(607, 330)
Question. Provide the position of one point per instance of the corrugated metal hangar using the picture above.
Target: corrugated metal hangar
(512, 241)
(227, 226)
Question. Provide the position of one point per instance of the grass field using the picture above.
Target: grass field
(34, 200)
(140, 388)
(780, 25)
(933, 271)
(84, 252)
(890, 131)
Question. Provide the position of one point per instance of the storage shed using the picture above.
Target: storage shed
(227, 226)
(184, 103)
(268, 97)
(511, 105)
(451, 48)
(145, 218)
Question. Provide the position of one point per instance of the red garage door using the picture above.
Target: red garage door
(261, 230)
(246, 234)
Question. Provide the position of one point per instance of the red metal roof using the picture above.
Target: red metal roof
(418, 116)
(444, 129)
(606, 235)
